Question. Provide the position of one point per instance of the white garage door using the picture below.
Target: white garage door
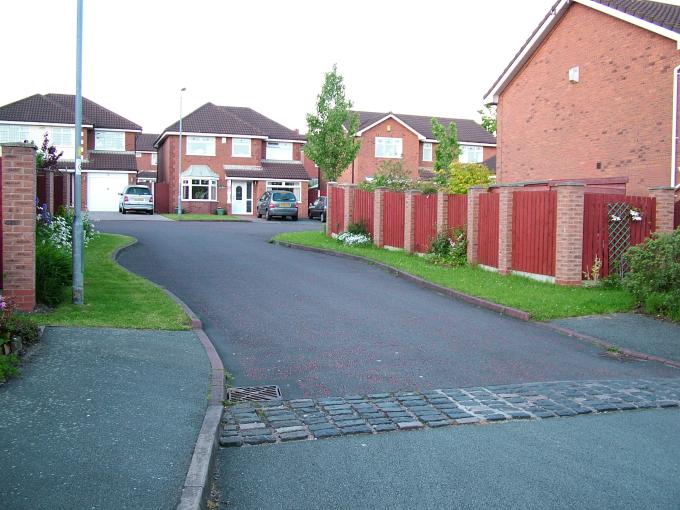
(103, 189)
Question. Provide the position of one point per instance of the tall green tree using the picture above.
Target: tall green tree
(446, 151)
(331, 130)
(488, 114)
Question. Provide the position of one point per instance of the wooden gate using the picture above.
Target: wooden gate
(487, 250)
(676, 222)
(534, 228)
(393, 219)
(337, 219)
(425, 221)
(363, 208)
(457, 212)
(161, 197)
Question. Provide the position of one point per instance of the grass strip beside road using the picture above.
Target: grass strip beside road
(202, 217)
(544, 301)
(115, 297)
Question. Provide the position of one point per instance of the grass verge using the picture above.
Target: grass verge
(544, 301)
(114, 297)
(202, 217)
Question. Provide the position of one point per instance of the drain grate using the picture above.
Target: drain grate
(253, 394)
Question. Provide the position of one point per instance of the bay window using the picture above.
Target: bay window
(199, 189)
(388, 147)
(109, 140)
(471, 154)
(240, 147)
(200, 145)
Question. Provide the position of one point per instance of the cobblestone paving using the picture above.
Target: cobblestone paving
(281, 421)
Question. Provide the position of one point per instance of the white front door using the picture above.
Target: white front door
(103, 189)
(242, 197)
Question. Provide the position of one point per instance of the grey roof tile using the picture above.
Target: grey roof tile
(144, 142)
(283, 170)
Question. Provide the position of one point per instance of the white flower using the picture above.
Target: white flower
(615, 218)
(635, 215)
(353, 239)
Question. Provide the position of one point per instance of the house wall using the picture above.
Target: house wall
(144, 163)
(618, 115)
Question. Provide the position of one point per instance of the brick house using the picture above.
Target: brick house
(230, 157)
(108, 147)
(409, 138)
(592, 96)
(147, 158)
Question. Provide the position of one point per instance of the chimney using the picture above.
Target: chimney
(297, 131)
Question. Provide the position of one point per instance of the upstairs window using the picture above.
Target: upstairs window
(240, 147)
(14, 133)
(200, 145)
(109, 140)
(388, 147)
(154, 158)
(471, 154)
(62, 137)
(281, 151)
(427, 151)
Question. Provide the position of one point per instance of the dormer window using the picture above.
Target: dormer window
(109, 140)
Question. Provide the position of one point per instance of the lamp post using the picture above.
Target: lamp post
(179, 157)
(77, 232)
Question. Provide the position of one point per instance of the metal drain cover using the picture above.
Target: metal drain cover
(253, 394)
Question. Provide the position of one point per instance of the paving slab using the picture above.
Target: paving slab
(102, 418)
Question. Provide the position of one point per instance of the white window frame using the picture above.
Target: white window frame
(188, 183)
(109, 140)
(15, 133)
(294, 186)
(389, 147)
(154, 158)
(241, 144)
(279, 147)
(62, 137)
(427, 151)
(194, 142)
(138, 154)
(468, 150)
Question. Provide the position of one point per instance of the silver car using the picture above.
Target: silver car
(136, 198)
(277, 203)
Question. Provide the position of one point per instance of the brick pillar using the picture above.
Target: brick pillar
(18, 223)
(409, 220)
(442, 212)
(349, 204)
(49, 190)
(473, 223)
(665, 207)
(329, 205)
(568, 270)
(505, 229)
(378, 208)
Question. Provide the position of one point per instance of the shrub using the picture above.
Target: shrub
(450, 248)
(8, 366)
(24, 328)
(390, 175)
(349, 239)
(654, 274)
(52, 273)
(57, 230)
(462, 176)
(360, 227)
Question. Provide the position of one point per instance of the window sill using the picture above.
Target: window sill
(389, 157)
(197, 200)
(241, 156)
(206, 155)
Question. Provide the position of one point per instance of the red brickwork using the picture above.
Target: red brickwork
(505, 229)
(349, 204)
(569, 245)
(378, 210)
(473, 224)
(409, 221)
(616, 121)
(442, 212)
(665, 208)
(18, 224)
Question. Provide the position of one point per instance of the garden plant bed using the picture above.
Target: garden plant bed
(202, 217)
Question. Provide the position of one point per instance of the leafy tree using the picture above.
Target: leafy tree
(488, 114)
(47, 157)
(331, 141)
(462, 176)
(446, 151)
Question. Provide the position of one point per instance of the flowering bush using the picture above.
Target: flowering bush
(349, 239)
(450, 248)
(57, 230)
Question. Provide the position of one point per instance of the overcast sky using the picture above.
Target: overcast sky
(419, 57)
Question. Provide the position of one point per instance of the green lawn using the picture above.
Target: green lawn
(202, 217)
(115, 297)
(544, 301)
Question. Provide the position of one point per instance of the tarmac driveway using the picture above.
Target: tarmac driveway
(318, 325)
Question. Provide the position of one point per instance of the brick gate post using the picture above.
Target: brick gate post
(378, 208)
(569, 256)
(329, 205)
(349, 204)
(473, 223)
(665, 207)
(505, 228)
(409, 220)
(442, 212)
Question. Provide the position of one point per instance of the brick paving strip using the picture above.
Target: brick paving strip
(303, 419)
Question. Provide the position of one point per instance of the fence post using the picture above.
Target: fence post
(409, 220)
(473, 223)
(665, 207)
(329, 205)
(505, 228)
(349, 204)
(378, 208)
(442, 212)
(18, 189)
(569, 245)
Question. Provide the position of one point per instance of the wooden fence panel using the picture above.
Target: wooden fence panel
(161, 197)
(425, 221)
(676, 220)
(596, 226)
(488, 229)
(2, 271)
(337, 219)
(363, 208)
(393, 219)
(534, 229)
(457, 212)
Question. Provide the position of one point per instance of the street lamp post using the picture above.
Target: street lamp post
(179, 157)
(77, 244)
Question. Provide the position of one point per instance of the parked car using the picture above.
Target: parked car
(136, 198)
(318, 209)
(277, 203)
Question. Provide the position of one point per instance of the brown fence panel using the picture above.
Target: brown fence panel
(363, 208)
(488, 229)
(676, 220)
(425, 221)
(457, 213)
(2, 272)
(393, 219)
(596, 226)
(161, 197)
(337, 219)
(534, 228)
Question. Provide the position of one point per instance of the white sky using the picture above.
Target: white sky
(427, 57)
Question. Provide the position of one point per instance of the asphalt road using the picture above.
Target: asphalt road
(320, 325)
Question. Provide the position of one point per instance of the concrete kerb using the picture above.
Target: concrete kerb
(194, 492)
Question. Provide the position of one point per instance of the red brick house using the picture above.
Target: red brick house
(147, 158)
(230, 157)
(391, 136)
(108, 147)
(592, 95)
